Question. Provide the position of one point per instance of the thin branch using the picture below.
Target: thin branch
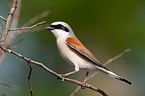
(12, 35)
(8, 21)
(2, 27)
(75, 91)
(39, 28)
(107, 62)
(36, 18)
(3, 18)
(7, 85)
(16, 16)
(117, 57)
(54, 73)
(29, 75)
(25, 28)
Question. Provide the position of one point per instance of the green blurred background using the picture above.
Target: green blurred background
(106, 27)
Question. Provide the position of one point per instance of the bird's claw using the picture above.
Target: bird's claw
(83, 85)
(61, 78)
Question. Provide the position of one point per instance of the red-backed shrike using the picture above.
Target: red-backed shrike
(74, 52)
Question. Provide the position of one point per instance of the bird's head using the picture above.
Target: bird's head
(60, 29)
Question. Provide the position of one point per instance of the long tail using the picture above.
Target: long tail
(108, 72)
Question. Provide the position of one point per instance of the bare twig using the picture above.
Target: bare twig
(12, 35)
(16, 15)
(39, 28)
(8, 20)
(29, 75)
(3, 18)
(36, 18)
(2, 27)
(116, 57)
(56, 74)
(107, 62)
(75, 91)
(7, 85)
(25, 28)
(6, 39)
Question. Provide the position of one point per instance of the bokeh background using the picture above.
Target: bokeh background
(106, 27)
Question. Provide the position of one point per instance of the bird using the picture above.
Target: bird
(75, 53)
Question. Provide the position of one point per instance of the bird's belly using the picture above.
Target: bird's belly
(72, 57)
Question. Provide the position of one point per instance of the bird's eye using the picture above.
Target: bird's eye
(59, 26)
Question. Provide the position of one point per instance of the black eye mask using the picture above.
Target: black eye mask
(59, 26)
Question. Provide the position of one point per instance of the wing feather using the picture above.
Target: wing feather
(72, 42)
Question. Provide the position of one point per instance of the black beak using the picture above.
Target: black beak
(49, 28)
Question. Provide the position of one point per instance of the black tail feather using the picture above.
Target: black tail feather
(108, 72)
(126, 81)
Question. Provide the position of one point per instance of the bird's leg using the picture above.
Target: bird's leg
(76, 70)
(69, 73)
(86, 77)
(63, 75)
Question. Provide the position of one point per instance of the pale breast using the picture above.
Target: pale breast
(72, 56)
(65, 51)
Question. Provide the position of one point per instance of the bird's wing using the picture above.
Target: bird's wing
(77, 46)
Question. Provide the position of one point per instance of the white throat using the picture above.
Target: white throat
(60, 33)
